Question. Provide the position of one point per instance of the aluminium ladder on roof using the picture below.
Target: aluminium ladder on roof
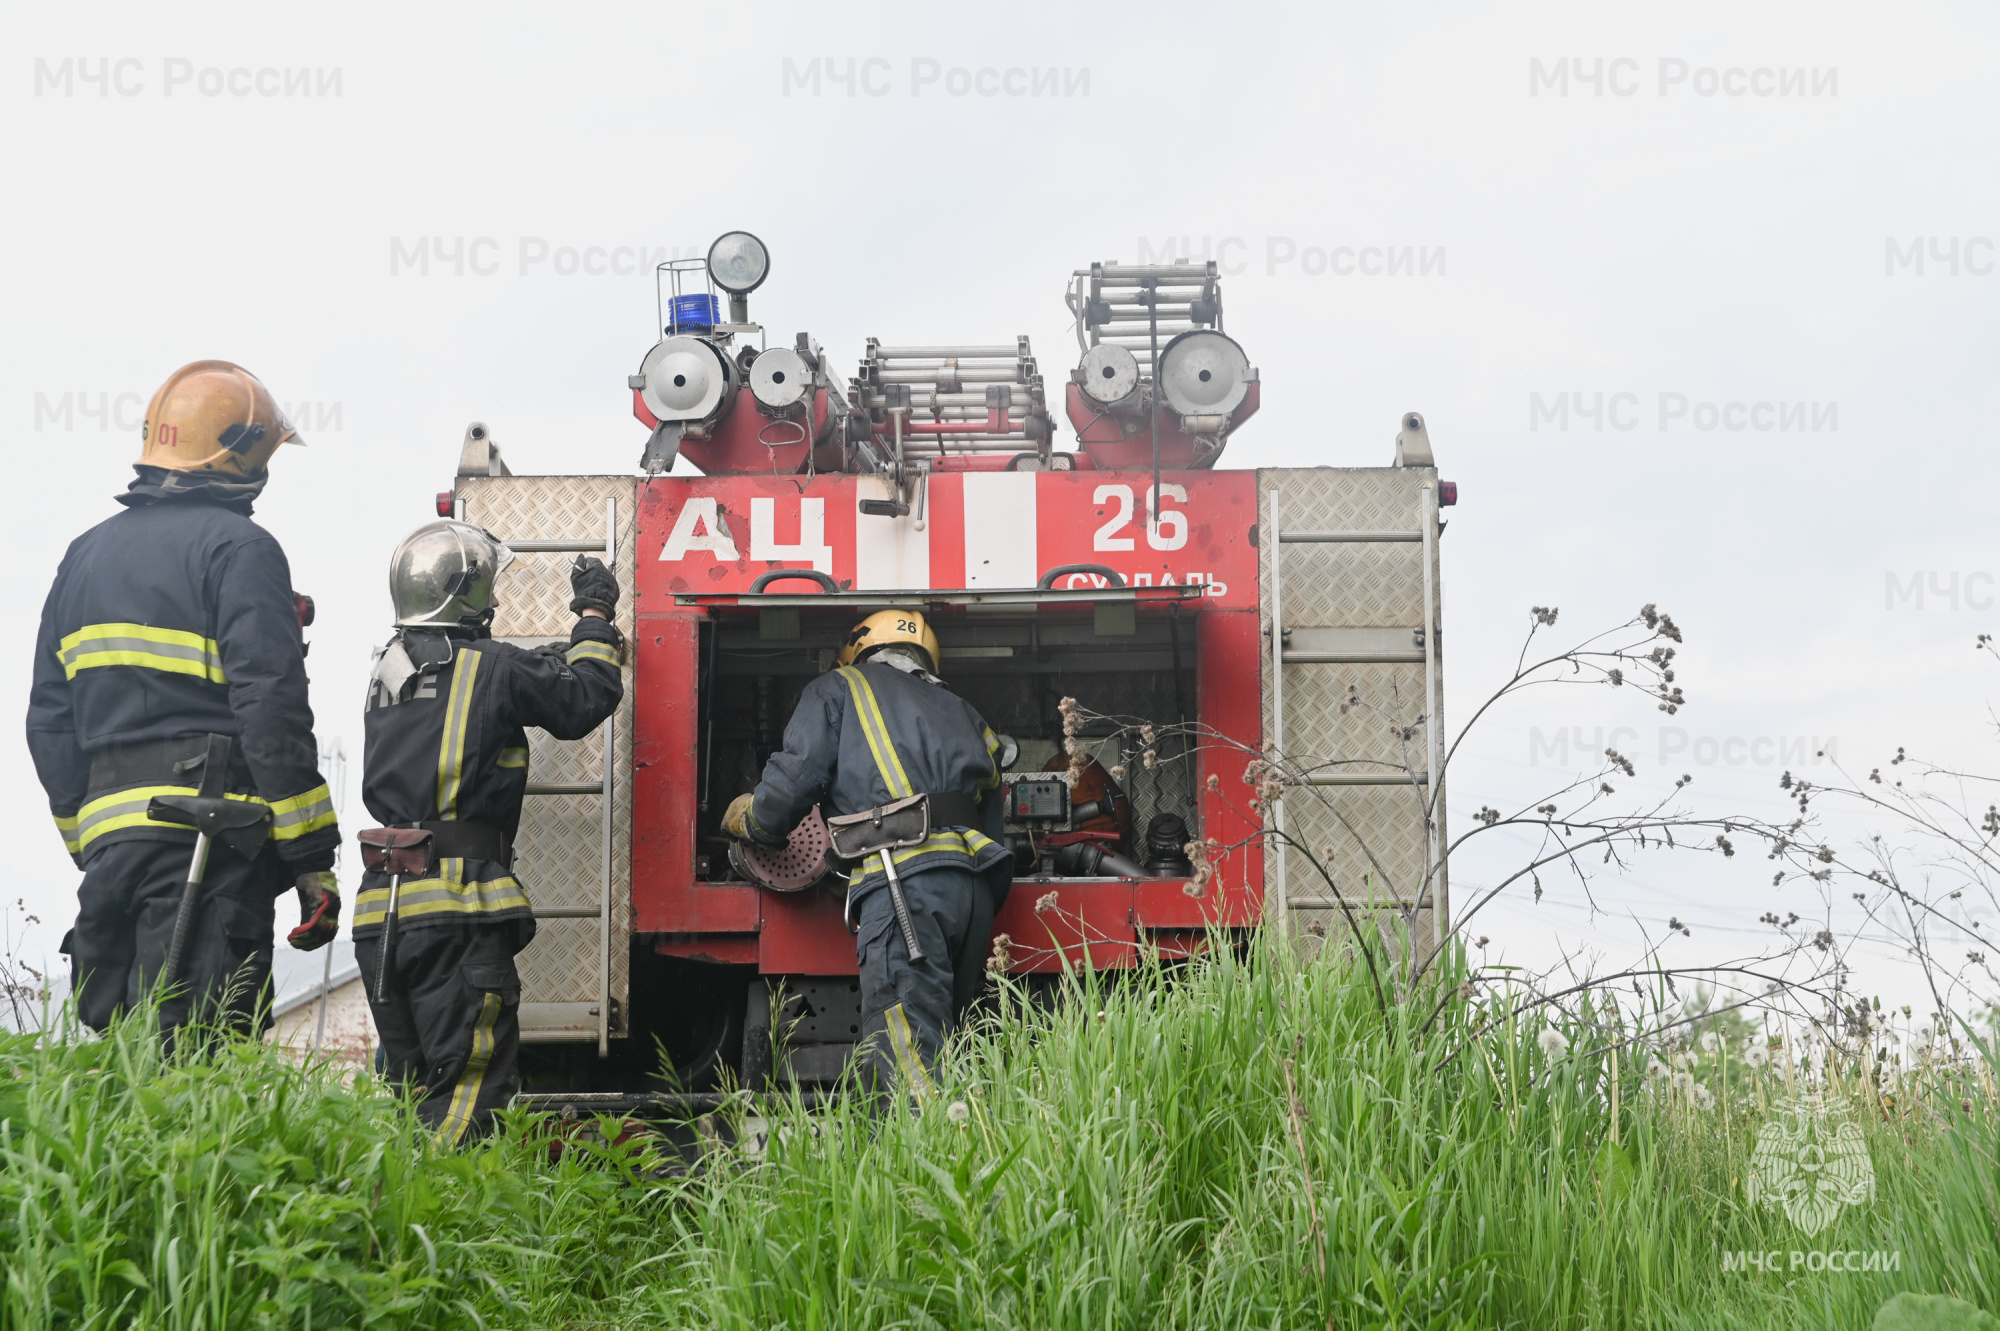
(1432, 891)
(605, 788)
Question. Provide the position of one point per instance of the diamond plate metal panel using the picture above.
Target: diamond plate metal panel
(1369, 838)
(559, 851)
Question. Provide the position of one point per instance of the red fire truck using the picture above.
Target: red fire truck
(1125, 570)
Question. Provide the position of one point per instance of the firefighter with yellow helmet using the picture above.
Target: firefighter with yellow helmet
(172, 636)
(870, 738)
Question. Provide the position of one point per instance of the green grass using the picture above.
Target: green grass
(1132, 1158)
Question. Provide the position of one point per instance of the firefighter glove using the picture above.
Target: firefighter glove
(593, 585)
(736, 819)
(319, 910)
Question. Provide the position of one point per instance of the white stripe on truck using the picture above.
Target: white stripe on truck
(1001, 532)
(890, 553)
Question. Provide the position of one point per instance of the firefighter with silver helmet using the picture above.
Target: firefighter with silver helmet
(170, 645)
(441, 914)
(912, 774)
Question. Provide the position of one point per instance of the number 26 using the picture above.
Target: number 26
(1166, 531)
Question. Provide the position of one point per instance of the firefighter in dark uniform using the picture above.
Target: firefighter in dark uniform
(881, 728)
(173, 621)
(447, 752)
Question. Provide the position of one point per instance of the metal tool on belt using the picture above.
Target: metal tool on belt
(411, 850)
(398, 852)
(898, 825)
(240, 824)
(903, 919)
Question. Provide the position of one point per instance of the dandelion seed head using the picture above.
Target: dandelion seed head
(1002, 956)
(959, 1112)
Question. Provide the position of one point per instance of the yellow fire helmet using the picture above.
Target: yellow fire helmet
(214, 416)
(885, 627)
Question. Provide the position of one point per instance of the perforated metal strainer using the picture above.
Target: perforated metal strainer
(792, 867)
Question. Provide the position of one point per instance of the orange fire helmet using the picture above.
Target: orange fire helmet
(214, 416)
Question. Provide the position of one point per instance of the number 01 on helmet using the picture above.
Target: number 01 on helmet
(214, 416)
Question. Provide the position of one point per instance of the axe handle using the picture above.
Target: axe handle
(388, 936)
(902, 907)
(170, 972)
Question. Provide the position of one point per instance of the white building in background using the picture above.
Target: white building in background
(317, 1001)
(322, 1006)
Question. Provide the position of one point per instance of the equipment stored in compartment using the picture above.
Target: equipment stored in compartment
(1038, 798)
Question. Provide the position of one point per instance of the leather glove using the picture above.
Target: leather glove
(319, 910)
(736, 818)
(593, 586)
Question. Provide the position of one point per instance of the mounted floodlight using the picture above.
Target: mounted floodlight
(780, 378)
(1109, 373)
(1204, 373)
(738, 262)
(683, 379)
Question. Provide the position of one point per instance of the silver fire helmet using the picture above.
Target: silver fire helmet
(443, 573)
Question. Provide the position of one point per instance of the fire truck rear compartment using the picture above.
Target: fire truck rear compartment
(714, 1022)
(1014, 668)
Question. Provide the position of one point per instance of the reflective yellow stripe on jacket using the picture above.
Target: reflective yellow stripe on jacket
(876, 729)
(445, 893)
(173, 650)
(992, 756)
(591, 651)
(457, 718)
(294, 817)
(969, 843)
(127, 808)
(67, 826)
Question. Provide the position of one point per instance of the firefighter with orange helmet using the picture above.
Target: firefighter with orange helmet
(872, 735)
(170, 625)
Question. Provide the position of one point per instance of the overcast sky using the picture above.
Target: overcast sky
(1699, 302)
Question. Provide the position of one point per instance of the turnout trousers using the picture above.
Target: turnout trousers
(126, 904)
(908, 1008)
(451, 1020)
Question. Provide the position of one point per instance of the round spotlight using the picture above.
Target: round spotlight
(739, 263)
(685, 379)
(779, 378)
(1204, 373)
(1109, 372)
